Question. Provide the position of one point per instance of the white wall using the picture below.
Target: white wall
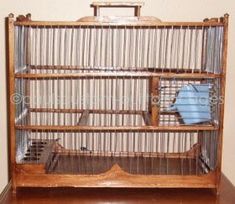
(181, 10)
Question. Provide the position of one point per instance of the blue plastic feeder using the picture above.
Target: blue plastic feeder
(193, 103)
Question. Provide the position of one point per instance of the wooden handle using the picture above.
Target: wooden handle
(136, 5)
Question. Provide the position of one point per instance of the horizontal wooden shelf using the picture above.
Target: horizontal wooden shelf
(116, 21)
(115, 74)
(46, 128)
(179, 70)
(57, 110)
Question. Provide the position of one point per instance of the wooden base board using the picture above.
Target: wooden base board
(114, 178)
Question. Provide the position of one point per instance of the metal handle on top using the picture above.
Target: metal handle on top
(136, 5)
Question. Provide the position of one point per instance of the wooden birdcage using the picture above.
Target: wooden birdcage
(116, 101)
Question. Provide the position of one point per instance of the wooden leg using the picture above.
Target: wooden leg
(215, 191)
(14, 189)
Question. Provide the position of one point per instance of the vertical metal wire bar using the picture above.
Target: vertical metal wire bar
(154, 48)
(214, 48)
(183, 47)
(165, 56)
(203, 51)
(171, 39)
(178, 48)
(136, 50)
(190, 50)
(196, 48)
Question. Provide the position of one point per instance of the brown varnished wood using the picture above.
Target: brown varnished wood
(116, 21)
(137, 11)
(115, 177)
(180, 128)
(22, 18)
(66, 110)
(125, 75)
(11, 91)
(154, 100)
(123, 21)
(118, 68)
(222, 93)
(120, 195)
(27, 168)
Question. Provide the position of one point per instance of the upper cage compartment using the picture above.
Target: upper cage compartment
(93, 45)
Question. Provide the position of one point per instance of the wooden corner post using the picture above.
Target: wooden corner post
(11, 92)
(225, 21)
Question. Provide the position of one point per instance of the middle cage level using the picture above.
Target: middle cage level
(120, 101)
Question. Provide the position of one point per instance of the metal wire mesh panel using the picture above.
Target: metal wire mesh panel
(126, 47)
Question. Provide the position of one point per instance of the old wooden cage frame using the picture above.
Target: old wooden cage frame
(139, 143)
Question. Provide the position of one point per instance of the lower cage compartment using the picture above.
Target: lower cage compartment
(58, 160)
(117, 159)
(136, 153)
